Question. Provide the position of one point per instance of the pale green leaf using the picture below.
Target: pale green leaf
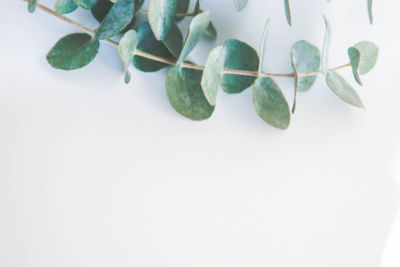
(161, 16)
(270, 104)
(343, 90)
(305, 58)
(369, 56)
(197, 28)
(326, 46)
(240, 4)
(126, 50)
(355, 60)
(212, 74)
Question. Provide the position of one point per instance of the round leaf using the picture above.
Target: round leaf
(74, 51)
(161, 16)
(305, 58)
(238, 56)
(148, 43)
(185, 93)
(369, 56)
(270, 104)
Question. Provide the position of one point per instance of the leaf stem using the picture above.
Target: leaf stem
(173, 62)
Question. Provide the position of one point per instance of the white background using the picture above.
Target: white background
(97, 173)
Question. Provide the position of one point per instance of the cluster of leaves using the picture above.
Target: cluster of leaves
(233, 66)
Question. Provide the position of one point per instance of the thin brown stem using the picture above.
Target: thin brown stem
(173, 62)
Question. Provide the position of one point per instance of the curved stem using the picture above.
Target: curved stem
(173, 62)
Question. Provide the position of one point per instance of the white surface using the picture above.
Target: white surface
(96, 173)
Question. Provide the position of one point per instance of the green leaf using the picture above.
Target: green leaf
(197, 28)
(174, 40)
(355, 60)
(212, 74)
(182, 7)
(305, 58)
(211, 32)
(86, 4)
(371, 17)
(119, 16)
(270, 104)
(161, 16)
(65, 6)
(185, 94)
(240, 4)
(32, 6)
(326, 46)
(100, 9)
(288, 13)
(343, 90)
(149, 44)
(73, 51)
(369, 56)
(126, 50)
(263, 48)
(238, 56)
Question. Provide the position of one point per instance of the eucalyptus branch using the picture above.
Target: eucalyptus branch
(173, 62)
(192, 89)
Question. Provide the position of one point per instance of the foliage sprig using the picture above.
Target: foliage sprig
(234, 66)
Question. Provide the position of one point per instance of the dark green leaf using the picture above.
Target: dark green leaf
(182, 7)
(149, 44)
(174, 40)
(74, 51)
(238, 56)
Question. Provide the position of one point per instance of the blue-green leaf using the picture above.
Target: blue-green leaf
(185, 94)
(212, 74)
(65, 6)
(120, 14)
(355, 60)
(126, 50)
(162, 16)
(86, 4)
(326, 46)
(240, 4)
(343, 90)
(270, 104)
(369, 56)
(288, 12)
(238, 56)
(74, 51)
(197, 28)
